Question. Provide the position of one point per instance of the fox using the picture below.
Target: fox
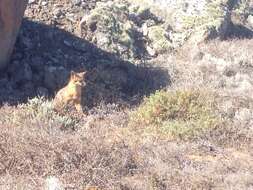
(71, 93)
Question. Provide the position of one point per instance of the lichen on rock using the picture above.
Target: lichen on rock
(195, 20)
(110, 29)
(159, 41)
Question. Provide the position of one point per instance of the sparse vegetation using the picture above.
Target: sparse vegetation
(38, 112)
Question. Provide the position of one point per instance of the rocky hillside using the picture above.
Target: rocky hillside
(168, 102)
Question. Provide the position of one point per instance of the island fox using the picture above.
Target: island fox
(71, 93)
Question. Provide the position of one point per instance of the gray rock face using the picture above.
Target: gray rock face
(11, 13)
(193, 21)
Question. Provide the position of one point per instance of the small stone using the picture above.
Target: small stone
(44, 3)
(229, 72)
(250, 20)
(31, 1)
(151, 51)
(145, 29)
(57, 12)
(53, 183)
(76, 2)
(198, 56)
(71, 17)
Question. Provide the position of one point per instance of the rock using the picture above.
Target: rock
(229, 71)
(145, 29)
(250, 20)
(57, 12)
(12, 12)
(151, 51)
(53, 183)
(193, 21)
(76, 2)
(198, 56)
(144, 13)
(109, 26)
(44, 3)
(31, 1)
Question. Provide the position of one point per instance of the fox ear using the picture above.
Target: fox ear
(83, 74)
(72, 74)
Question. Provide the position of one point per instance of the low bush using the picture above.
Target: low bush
(177, 114)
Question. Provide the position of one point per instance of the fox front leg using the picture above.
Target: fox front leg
(79, 108)
(81, 24)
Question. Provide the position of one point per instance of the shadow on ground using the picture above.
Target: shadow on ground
(44, 56)
(239, 32)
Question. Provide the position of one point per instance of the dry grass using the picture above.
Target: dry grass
(104, 150)
(36, 145)
(101, 150)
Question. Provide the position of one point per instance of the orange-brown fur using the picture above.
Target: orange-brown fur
(71, 93)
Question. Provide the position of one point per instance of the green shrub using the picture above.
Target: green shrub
(39, 111)
(177, 114)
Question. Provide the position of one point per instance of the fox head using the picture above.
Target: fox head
(77, 78)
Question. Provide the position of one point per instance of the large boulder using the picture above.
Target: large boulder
(194, 21)
(110, 29)
(11, 13)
